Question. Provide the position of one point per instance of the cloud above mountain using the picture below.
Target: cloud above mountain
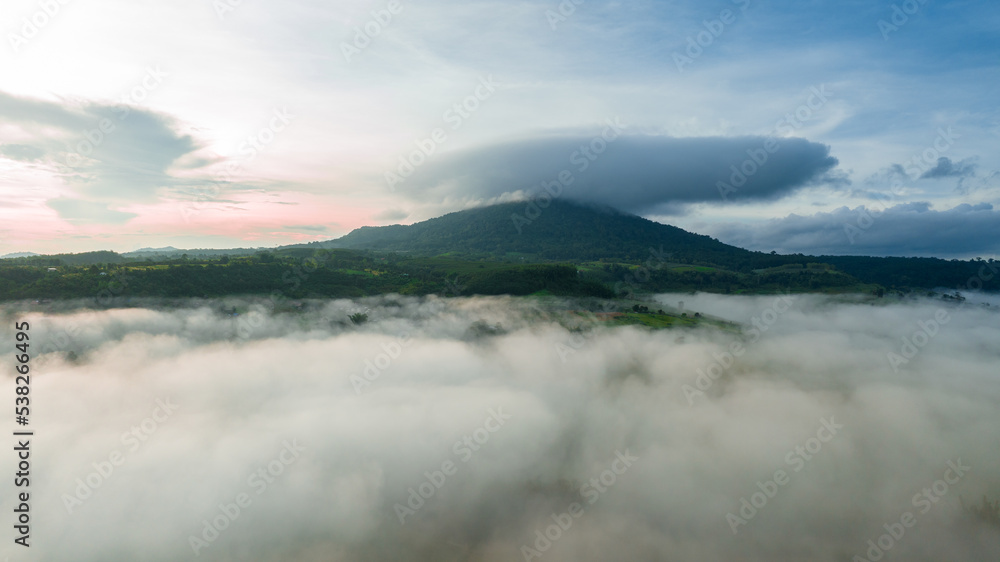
(637, 173)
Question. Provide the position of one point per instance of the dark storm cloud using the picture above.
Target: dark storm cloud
(637, 173)
(910, 229)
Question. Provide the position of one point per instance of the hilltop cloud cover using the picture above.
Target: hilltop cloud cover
(637, 173)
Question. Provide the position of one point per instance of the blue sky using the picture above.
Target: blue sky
(259, 123)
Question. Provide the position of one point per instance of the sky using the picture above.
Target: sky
(847, 127)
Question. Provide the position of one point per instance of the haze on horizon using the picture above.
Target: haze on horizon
(216, 124)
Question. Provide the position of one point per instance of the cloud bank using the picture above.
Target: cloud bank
(109, 153)
(490, 435)
(946, 168)
(909, 229)
(636, 173)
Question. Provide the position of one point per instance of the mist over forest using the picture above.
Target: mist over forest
(504, 428)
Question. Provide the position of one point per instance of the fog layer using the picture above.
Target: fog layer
(496, 429)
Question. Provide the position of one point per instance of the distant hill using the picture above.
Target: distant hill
(164, 250)
(18, 255)
(564, 230)
(171, 252)
(85, 258)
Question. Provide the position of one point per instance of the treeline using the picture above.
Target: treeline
(626, 279)
(309, 272)
(292, 273)
(927, 273)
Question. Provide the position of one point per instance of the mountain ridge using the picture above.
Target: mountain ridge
(563, 247)
(562, 230)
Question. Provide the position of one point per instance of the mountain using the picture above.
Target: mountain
(18, 255)
(564, 230)
(564, 248)
(171, 252)
(164, 250)
(577, 232)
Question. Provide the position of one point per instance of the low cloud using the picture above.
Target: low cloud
(391, 215)
(245, 386)
(636, 173)
(22, 152)
(946, 168)
(309, 228)
(88, 212)
(109, 153)
(909, 229)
